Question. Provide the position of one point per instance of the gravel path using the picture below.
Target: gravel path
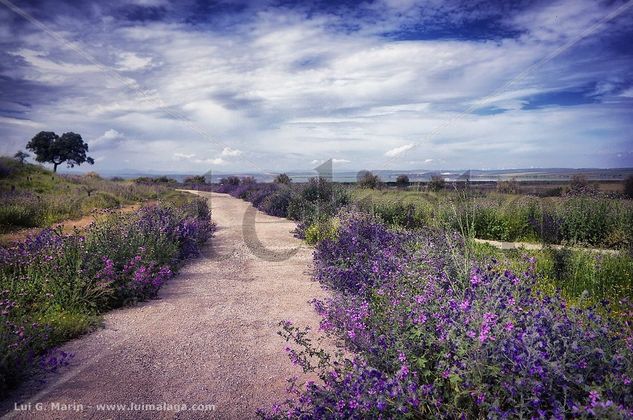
(210, 339)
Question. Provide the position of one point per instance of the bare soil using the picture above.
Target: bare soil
(211, 337)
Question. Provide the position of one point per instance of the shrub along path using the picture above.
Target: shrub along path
(211, 338)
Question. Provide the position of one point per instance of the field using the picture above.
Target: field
(35, 197)
(576, 221)
(442, 326)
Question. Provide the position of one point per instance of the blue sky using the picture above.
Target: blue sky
(190, 86)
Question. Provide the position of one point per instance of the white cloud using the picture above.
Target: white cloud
(216, 161)
(20, 121)
(227, 151)
(111, 138)
(341, 161)
(184, 155)
(628, 93)
(398, 150)
(129, 61)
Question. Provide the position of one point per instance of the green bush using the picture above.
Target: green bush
(20, 215)
(322, 229)
(366, 179)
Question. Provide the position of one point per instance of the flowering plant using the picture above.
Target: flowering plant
(428, 343)
(66, 280)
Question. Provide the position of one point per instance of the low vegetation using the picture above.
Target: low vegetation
(35, 197)
(432, 340)
(576, 220)
(312, 202)
(54, 286)
(584, 277)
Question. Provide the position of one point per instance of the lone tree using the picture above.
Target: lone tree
(21, 156)
(402, 181)
(366, 179)
(283, 179)
(51, 148)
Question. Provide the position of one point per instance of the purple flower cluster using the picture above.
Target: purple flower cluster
(272, 199)
(192, 232)
(431, 343)
(143, 280)
(120, 258)
(363, 254)
(305, 202)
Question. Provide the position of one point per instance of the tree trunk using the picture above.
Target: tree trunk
(55, 167)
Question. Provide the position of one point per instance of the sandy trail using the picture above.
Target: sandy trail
(211, 338)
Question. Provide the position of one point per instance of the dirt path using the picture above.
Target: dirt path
(531, 246)
(211, 338)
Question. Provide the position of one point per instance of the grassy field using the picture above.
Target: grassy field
(35, 197)
(584, 277)
(577, 221)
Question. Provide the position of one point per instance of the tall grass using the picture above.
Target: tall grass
(580, 274)
(579, 221)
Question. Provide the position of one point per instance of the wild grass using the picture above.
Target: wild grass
(35, 197)
(578, 221)
(592, 277)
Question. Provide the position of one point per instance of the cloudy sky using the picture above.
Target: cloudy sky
(187, 86)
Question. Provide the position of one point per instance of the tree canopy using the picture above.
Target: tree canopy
(402, 181)
(283, 179)
(51, 148)
(367, 179)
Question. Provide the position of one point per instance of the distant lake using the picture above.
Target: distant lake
(543, 175)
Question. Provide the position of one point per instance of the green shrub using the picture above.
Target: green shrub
(322, 229)
(19, 215)
(369, 180)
